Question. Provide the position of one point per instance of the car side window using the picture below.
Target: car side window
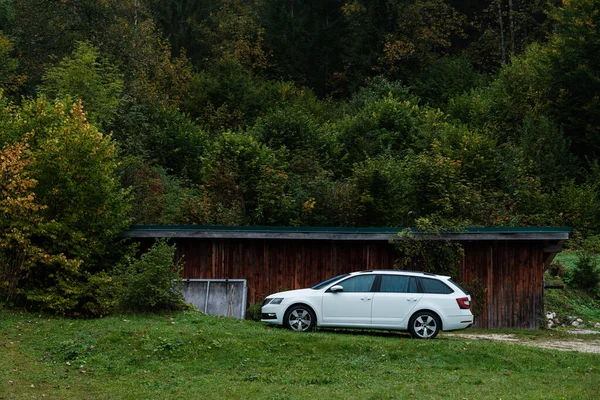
(394, 284)
(413, 286)
(361, 283)
(435, 286)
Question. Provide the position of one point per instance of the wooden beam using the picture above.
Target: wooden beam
(553, 248)
(237, 234)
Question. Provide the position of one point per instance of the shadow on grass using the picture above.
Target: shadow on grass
(366, 332)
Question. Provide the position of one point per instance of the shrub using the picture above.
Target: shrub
(557, 269)
(478, 292)
(152, 282)
(423, 249)
(585, 274)
(253, 312)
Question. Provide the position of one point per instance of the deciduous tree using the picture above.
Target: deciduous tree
(73, 207)
(87, 76)
(22, 258)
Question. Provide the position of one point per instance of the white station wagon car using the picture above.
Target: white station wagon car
(418, 302)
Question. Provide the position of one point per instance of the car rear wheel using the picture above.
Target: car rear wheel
(300, 318)
(424, 325)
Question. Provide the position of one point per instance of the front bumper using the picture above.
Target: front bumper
(273, 314)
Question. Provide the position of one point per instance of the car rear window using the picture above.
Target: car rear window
(458, 286)
(435, 286)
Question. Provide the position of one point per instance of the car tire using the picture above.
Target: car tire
(300, 318)
(424, 325)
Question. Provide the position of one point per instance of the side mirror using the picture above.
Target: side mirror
(336, 288)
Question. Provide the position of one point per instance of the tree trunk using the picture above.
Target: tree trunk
(502, 46)
(512, 26)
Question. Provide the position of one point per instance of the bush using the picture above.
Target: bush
(557, 270)
(422, 249)
(253, 312)
(152, 282)
(586, 274)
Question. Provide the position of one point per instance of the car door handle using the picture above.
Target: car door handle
(365, 298)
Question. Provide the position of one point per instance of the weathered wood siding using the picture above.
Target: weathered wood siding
(512, 274)
(511, 271)
(272, 265)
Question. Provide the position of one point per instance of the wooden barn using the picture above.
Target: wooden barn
(507, 262)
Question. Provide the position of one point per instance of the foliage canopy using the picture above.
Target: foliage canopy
(323, 113)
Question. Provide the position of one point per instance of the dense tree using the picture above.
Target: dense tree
(385, 126)
(499, 29)
(321, 200)
(246, 182)
(446, 78)
(299, 112)
(557, 81)
(234, 32)
(70, 174)
(86, 76)
(181, 22)
(574, 53)
(6, 13)
(307, 144)
(10, 80)
(303, 38)
(153, 78)
(21, 223)
(381, 188)
(157, 196)
(226, 95)
(423, 31)
(47, 30)
(124, 30)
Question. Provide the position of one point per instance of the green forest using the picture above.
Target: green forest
(296, 113)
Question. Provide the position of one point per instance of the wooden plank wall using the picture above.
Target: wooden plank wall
(511, 271)
(512, 274)
(274, 265)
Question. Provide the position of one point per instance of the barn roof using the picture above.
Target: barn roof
(552, 234)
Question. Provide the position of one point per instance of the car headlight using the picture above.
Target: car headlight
(276, 300)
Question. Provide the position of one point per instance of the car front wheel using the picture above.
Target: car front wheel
(300, 318)
(424, 325)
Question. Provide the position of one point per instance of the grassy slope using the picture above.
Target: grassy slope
(570, 302)
(190, 355)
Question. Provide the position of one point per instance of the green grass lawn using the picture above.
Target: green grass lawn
(194, 356)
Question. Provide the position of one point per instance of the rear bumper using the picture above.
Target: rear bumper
(458, 322)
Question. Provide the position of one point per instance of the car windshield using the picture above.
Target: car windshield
(328, 281)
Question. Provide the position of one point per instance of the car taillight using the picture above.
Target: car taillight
(464, 303)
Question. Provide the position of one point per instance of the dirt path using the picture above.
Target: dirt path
(584, 346)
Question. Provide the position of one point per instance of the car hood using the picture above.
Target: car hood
(292, 293)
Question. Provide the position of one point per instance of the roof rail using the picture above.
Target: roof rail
(396, 270)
